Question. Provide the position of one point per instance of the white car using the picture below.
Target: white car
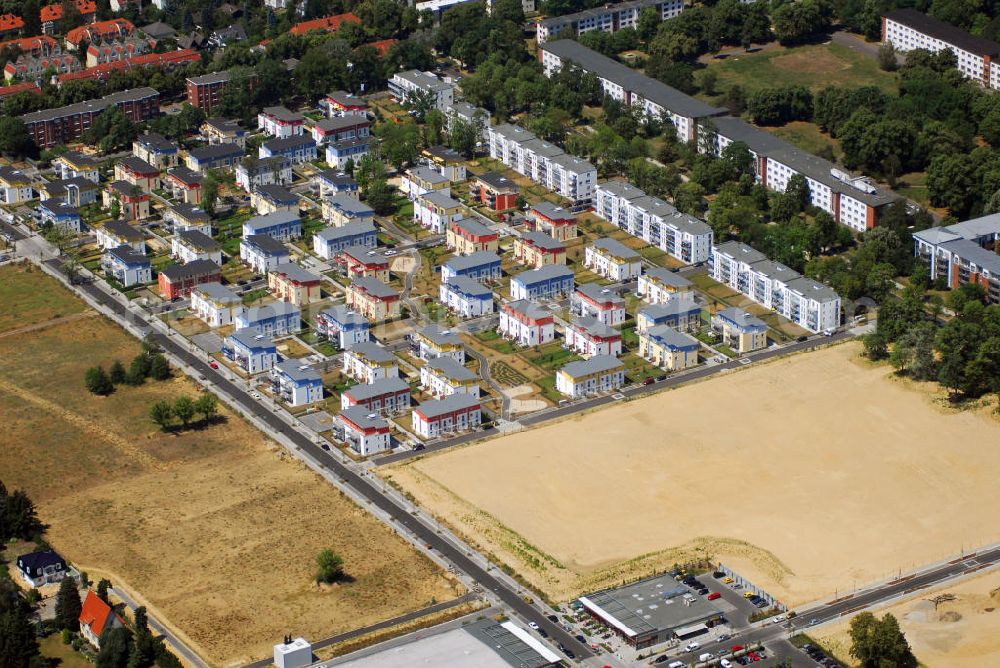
(533, 625)
(726, 663)
(778, 619)
(691, 646)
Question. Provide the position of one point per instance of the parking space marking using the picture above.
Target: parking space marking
(744, 360)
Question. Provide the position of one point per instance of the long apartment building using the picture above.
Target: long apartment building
(654, 221)
(608, 18)
(962, 253)
(544, 163)
(630, 87)
(907, 29)
(852, 201)
(65, 124)
(807, 303)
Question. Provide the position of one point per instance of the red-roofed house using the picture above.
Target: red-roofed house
(100, 32)
(40, 45)
(51, 14)
(104, 70)
(95, 616)
(326, 24)
(116, 49)
(10, 24)
(23, 87)
(31, 67)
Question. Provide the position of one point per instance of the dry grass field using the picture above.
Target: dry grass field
(215, 529)
(961, 633)
(807, 475)
(23, 306)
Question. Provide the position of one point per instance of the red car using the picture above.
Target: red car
(736, 648)
(714, 595)
(753, 656)
(214, 365)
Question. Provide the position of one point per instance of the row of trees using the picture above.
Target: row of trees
(144, 365)
(184, 409)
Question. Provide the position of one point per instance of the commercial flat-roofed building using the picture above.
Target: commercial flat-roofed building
(963, 253)
(630, 87)
(607, 18)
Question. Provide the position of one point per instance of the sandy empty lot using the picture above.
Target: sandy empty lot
(806, 475)
(216, 529)
(956, 634)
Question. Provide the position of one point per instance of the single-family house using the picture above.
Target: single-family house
(61, 216)
(213, 156)
(41, 568)
(280, 122)
(297, 149)
(223, 131)
(332, 182)
(188, 217)
(342, 103)
(339, 153)
(133, 202)
(15, 186)
(421, 180)
(73, 164)
(495, 191)
(551, 220)
(156, 150)
(446, 161)
(252, 172)
(338, 128)
(95, 617)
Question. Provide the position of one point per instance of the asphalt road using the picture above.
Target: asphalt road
(362, 485)
(186, 652)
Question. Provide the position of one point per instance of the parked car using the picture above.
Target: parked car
(726, 663)
(552, 618)
(727, 580)
(718, 575)
(714, 596)
(692, 646)
(533, 625)
(581, 639)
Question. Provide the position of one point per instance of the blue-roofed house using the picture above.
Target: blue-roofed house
(466, 297)
(296, 383)
(62, 216)
(740, 330)
(329, 241)
(343, 327)
(667, 348)
(274, 319)
(549, 281)
(482, 266)
(251, 351)
(281, 225)
(681, 314)
(126, 266)
(41, 568)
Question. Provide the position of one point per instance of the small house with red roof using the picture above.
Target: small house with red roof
(100, 32)
(95, 617)
(10, 25)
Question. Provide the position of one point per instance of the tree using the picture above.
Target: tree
(111, 130)
(207, 405)
(98, 382)
(146, 647)
(15, 142)
(21, 516)
(102, 589)
(184, 410)
(331, 567)
(210, 192)
(887, 57)
(18, 644)
(158, 367)
(161, 413)
(797, 22)
(117, 373)
(116, 647)
(68, 605)
(879, 282)
(877, 643)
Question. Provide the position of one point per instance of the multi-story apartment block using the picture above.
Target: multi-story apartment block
(606, 18)
(443, 376)
(215, 304)
(133, 202)
(466, 297)
(434, 210)
(406, 85)
(682, 314)
(432, 341)
(669, 349)
(658, 286)
(138, 172)
(331, 182)
(373, 299)
(364, 432)
(588, 337)
(274, 319)
(223, 131)
(342, 327)
(421, 180)
(281, 122)
(344, 209)
(213, 156)
(179, 280)
(254, 172)
(340, 153)
(612, 259)
(808, 304)
(482, 266)
(630, 87)
(342, 103)
(355, 261)
(526, 323)
(291, 283)
(262, 252)
(593, 300)
(599, 374)
(73, 164)
(156, 150)
(367, 362)
(467, 235)
(908, 29)
(190, 245)
(15, 186)
(273, 198)
(447, 162)
(296, 383)
(115, 233)
(282, 225)
(963, 253)
(457, 412)
(537, 249)
(250, 350)
(552, 280)
(329, 241)
(495, 191)
(338, 128)
(66, 124)
(740, 330)
(552, 220)
(386, 395)
(126, 266)
(296, 148)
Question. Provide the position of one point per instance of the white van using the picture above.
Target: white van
(676, 664)
(707, 656)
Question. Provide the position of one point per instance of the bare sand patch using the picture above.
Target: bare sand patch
(523, 405)
(956, 634)
(809, 475)
(403, 264)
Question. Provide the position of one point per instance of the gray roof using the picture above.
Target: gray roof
(346, 99)
(225, 125)
(742, 319)
(450, 368)
(283, 114)
(277, 193)
(267, 220)
(667, 277)
(123, 230)
(254, 166)
(350, 230)
(671, 338)
(427, 174)
(351, 142)
(477, 259)
(594, 327)
(377, 389)
(541, 148)
(498, 181)
(335, 177)
(218, 292)
(179, 272)
(813, 289)
(341, 122)
(932, 27)
(972, 252)
(156, 142)
(632, 80)
(372, 352)
(453, 402)
(552, 211)
(976, 228)
(558, 22)
(350, 205)
(596, 364)
(528, 309)
(266, 244)
(185, 175)
(668, 309)
(345, 315)
(159, 30)
(438, 198)
(199, 240)
(299, 372)
(93, 106)
(600, 293)
(774, 270)
(294, 272)
(127, 254)
(617, 249)
(216, 152)
(365, 254)
(251, 339)
(60, 186)
(210, 78)
(373, 286)
(57, 208)
(739, 251)
(542, 240)
(289, 143)
(572, 163)
(652, 605)
(81, 159)
(440, 336)
(423, 79)
(444, 153)
(545, 273)
(468, 286)
(509, 647)
(621, 189)
(472, 226)
(363, 418)
(276, 308)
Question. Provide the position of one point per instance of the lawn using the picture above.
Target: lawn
(808, 137)
(23, 306)
(814, 66)
(551, 356)
(58, 654)
(197, 523)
